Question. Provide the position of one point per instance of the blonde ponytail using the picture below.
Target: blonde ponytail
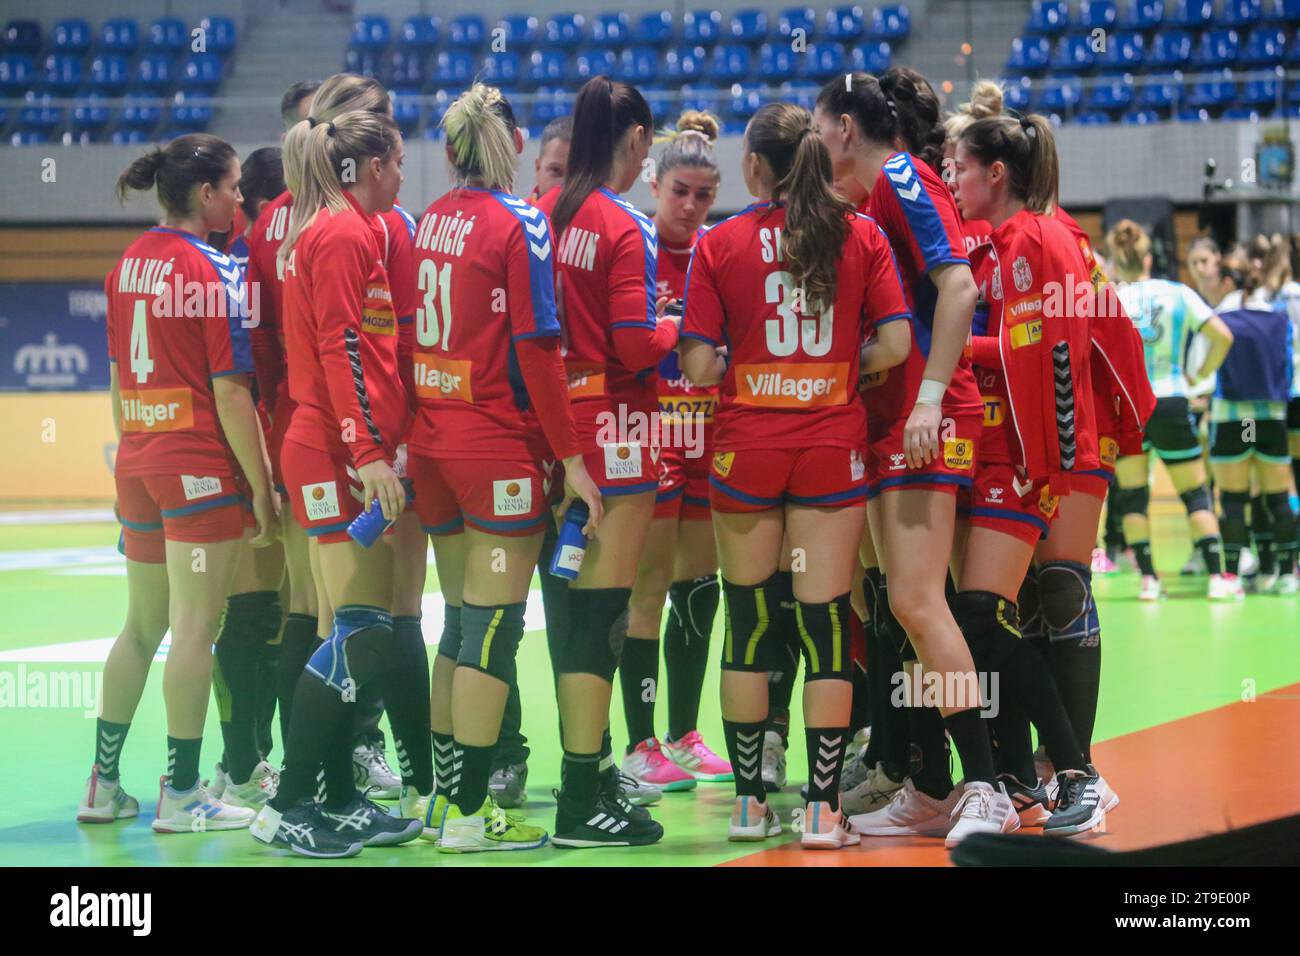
(480, 127)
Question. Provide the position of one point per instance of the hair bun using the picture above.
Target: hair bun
(986, 100)
(698, 121)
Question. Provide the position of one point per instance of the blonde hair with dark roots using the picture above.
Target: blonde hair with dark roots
(480, 127)
(691, 144)
(986, 100)
(341, 93)
(1129, 247)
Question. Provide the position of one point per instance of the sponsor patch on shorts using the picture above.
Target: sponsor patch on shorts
(321, 500)
(623, 461)
(1047, 502)
(1109, 450)
(959, 453)
(513, 496)
(722, 462)
(200, 487)
(857, 467)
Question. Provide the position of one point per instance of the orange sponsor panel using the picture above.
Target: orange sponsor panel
(157, 410)
(792, 385)
(439, 377)
(586, 384)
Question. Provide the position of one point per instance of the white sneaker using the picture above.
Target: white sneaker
(1150, 589)
(261, 786)
(196, 811)
(104, 801)
(1109, 798)
(371, 773)
(1286, 584)
(752, 820)
(1226, 587)
(982, 809)
(910, 813)
(773, 762)
(826, 829)
(220, 780)
(1249, 563)
(875, 791)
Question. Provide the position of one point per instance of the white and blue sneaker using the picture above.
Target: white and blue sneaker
(196, 811)
(105, 801)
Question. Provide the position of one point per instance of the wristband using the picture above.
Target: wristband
(930, 392)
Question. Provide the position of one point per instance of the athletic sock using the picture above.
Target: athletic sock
(580, 776)
(638, 672)
(267, 665)
(825, 761)
(320, 719)
(692, 606)
(1076, 670)
(296, 646)
(444, 747)
(1261, 532)
(1211, 548)
(1012, 740)
(1283, 522)
(1114, 536)
(860, 708)
(606, 751)
(745, 750)
(898, 726)
(971, 738)
(237, 656)
(183, 762)
(1142, 555)
(470, 782)
(109, 739)
(930, 761)
(405, 686)
(784, 631)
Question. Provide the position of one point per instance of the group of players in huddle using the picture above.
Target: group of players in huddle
(904, 359)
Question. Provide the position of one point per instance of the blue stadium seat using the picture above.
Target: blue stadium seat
(420, 34)
(551, 104)
(1244, 113)
(1073, 55)
(1140, 118)
(467, 32)
(371, 33)
(139, 113)
(545, 68)
(502, 69)
(1017, 94)
(1241, 13)
(746, 98)
(701, 27)
(1217, 49)
(28, 137)
(730, 63)
(1191, 14)
(1282, 11)
(1161, 93)
(565, 30)
(844, 24)
(1112, 96)
(168, 35)
(1124, 53)
(1096, 15)
(221, 35)
(129, 137)
(17, 73)
(454, 69)
(89, 114)
(1259, 93)
(776, 62)
(363, 62)
(1265, 46)
(749, 26)
(685, 64)
(700, 96)
(1093, 118)
(892, 22)
(1292, 57)
(1217, 92)
(442, 100)
(521, 31)
(201, 71)
(639, 64)
(1048, 17)
(592, 61)
(822, 61)
(38, 113)
(801, 94)
(406, 113)
(190, 113)
(797, 18)
(654, 29)
(1170, 50)
(22, 36)
(873, 56)
(611, 30)
(1030, 54)
(119, 36)
(62, 73)
(72, 37)
(1058, 96)
(405, 69)
(1144, 14)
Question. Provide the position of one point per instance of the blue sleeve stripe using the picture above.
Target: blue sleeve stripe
(237, 312)
(893, 318)
(545, 334)
(634, 325)
(406, 218)
(650, 243)
(541, 275)
(702, 338)
(919, 209)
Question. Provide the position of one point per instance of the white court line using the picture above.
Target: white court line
(57, 517)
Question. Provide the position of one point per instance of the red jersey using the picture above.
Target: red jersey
(606, 274)
(791, 381)
(176, 315)
(917, 212)
(678, 396)
(341, 333)
(1042, 348)
(486, 276)
(977, 233)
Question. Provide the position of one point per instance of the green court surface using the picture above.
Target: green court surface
(62, 588)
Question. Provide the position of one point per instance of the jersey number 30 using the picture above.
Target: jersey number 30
(141, 362)
(786, 332)
(435, 285)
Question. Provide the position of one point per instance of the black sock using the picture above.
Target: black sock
(444, 746)
(1211, 548)
(1261, 532)
(781, 683)
(825, 761)
(183, 762)
(337, 785)
(1114, 537)
(971, 737)
(237, 657)
(405, 687)
(1013, 742)
(296, 646)
(321, 718)
(860, 709)
(1076, 670)
(109, 739)
(1142, 555)
(638, 672)
(580, 776)
(745, 750)
(930, 761)
(512, 745)
(897, 726)
(1283, 522)
(693, 605)
(267, 665)
(470, 786)
(607, 751)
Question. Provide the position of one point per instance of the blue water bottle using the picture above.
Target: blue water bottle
(367, 527)
(572, 544)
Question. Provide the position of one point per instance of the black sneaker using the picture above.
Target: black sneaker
(370, 823)
(1033, 806)
(1078, 804)
(303, 830)
(620, 789)
(507, 785)
(607, 823)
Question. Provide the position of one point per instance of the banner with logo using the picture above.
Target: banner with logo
(52, 337)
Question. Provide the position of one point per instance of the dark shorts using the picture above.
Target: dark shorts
(1240, 440)
(1172, 431)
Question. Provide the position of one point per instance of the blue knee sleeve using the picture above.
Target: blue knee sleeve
(1066, 603)
(330, 662)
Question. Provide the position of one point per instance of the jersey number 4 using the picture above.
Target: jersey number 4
(435, 285)
(141, 362)
(786, 332)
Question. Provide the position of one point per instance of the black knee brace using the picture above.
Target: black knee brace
(1197, 499)
(597, 629)
(1133, 501)
(490, 639)
(1232, 520)
(1065, 598)
(1029, 603)
(449, 643)
(824, 630)
(695, 602)
(750, 641)
(358, 650)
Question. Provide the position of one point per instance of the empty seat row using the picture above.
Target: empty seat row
(77, 37)
(1052, 17)
(108, 73)
(1166, 50)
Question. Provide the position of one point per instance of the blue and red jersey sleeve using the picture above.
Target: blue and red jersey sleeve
(912, 204)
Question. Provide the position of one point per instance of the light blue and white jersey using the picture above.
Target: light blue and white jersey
(1167, 315)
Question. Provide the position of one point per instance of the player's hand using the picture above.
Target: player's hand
(921, 435)
(380, 481)
(661, 305)
(266, 514)
(578, 483)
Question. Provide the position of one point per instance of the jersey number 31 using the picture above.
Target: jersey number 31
(435, 286)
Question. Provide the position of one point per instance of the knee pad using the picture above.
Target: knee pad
(490, 639)
(824, 630)
(357, 649)
(990, 625)
(1068, 609)
(695, 603)
(449, 643)
(1133, 501)
(1029, 605)
(597, 627)
(752, 640)
(1197, 499)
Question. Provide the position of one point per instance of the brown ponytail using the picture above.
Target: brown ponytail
(1129, 247)
(1027, 148)
(175, 169)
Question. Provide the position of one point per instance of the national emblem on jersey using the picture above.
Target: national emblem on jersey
(1021, 274)
(996, 287)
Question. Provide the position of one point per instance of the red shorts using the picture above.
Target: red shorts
(326, 494)
(159, 508)
(508, 498)
(757, 479)
(951, 469)
(621, 469)
(993, 502)
(275, 442)
(1097, 483)
(683, 486)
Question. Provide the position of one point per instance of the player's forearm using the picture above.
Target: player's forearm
(115, 391)
(952, 317)
(701, 362)
(542, 367)
(238, 417)
(639, 347)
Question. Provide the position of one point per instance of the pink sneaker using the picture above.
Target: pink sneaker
(1101, 562)
(692, 755)
(647, 764)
